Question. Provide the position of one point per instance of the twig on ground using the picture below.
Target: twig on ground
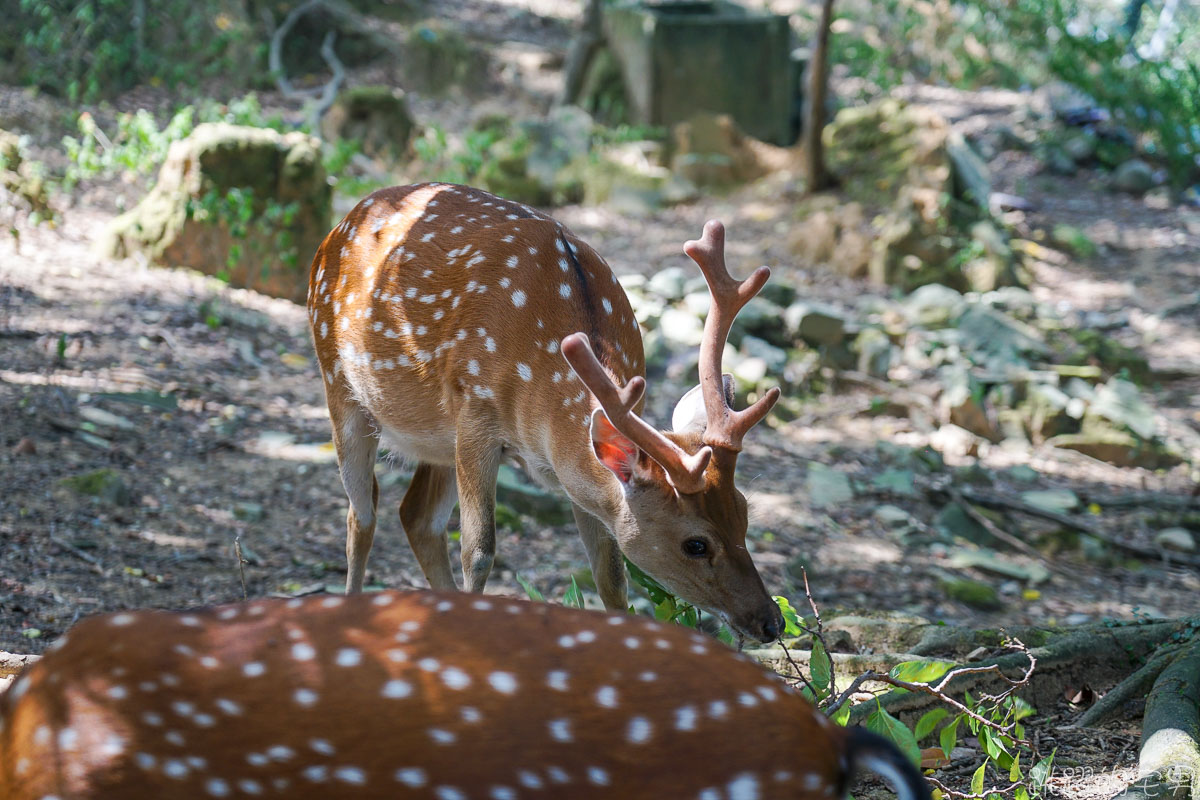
(97, 567)
(992, 528)
(237, 549)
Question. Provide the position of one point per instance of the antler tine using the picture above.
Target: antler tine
(725, 427)
(686, 472)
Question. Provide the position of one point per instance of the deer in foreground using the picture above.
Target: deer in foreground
(416, 694)
(462, 329)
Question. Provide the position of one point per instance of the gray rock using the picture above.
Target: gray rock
(1080, 146)
(892, 517)
(874, 350)
(774, 357)
(1000, 338)
(1134, 176)
(826, 486)
(668, 283)
(934, 306)
(998, 565)
(681, 328)
(1120, 402)
(972, 593)
(815, 324)
(1060, 501)
(699, 303)
(762, 318)
(1178, 539)
(1059, 163)
(748, 373)
(778, 292)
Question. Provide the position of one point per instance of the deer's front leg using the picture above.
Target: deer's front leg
(477, 460)
(608, 565)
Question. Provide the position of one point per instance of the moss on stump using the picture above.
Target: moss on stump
(247, 204)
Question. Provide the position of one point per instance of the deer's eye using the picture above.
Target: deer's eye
(695, 547)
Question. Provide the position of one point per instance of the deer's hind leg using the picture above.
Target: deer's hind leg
(424, 512)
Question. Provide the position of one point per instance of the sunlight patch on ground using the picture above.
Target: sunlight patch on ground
(858, 553)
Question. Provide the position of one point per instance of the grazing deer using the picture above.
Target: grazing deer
(415, 695)
(442, 316)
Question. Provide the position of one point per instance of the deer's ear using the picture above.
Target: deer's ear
(689, 415)
(612, 448)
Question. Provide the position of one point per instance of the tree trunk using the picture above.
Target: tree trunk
(816, 88)
(579, 53)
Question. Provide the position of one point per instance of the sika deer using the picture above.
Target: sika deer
(438, 314)
(415, 695)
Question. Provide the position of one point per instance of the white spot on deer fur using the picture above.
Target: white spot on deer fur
(216, 787)
(564, 290)
(442, 736)
(429, 664)
(396, 689)
(685, 718)
(152, 719)
(533, 251)
(410, 292)
(767, 693)
(303, 652)
(525, 372)
(586, 636)
(528, 779)
(396, 655)
(121, 620)
(556, 377)
(322, 746)
(175, 738)
(345, 323)
(502, 793)
(305, 697)
(484, 392)
(743, 787)
(228, 706)
(606, 696)
(648, 676)
(607, 305)
(183, 708)
(473, 367)
(427, 237)
(812, 781)
(383, 599)
(747, 699)
(557, 680)
(709, 794)
(348, 657)
(449, 793)
(562, 264)
(411, 776)
(598, 776)
(718, 709)
(352, 775)
(490, 344)
(444, 605)
(560, 730)
(174, 768)
(552, 347)
(511, 216)
(632, 642)
(507, 239)
(455, 678)
(639, 730)
(118, 692)
(503, 682)
(316, 774)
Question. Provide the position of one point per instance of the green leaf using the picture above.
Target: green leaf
(530, 589)
(842, 715)
(654, 589)
(725, 635)
(689, 618)
(921, 671)
(1039, 773)
(948, 738)
(1014, 772)
(791, 620)
(822, 667)
(928, 722)
(573, 597)
(1020, 793)
(893, 730)
(977, 779)
(1021, 708)
(665, 611)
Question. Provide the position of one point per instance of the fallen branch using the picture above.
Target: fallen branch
(995, 530)
(97, 567)
(13, 663)
(1067, 521)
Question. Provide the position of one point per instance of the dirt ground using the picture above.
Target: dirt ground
(206, 401)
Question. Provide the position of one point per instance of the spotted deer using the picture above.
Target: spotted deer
(416, 695)
(461, 329)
